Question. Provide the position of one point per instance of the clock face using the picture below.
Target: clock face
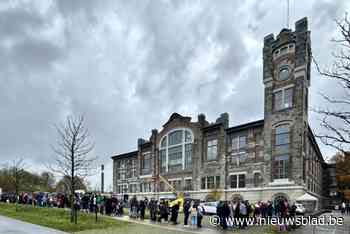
(283, 73)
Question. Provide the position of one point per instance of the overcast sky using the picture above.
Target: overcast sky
(127, 65)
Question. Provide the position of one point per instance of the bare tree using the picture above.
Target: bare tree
(16, 176)
(72, 155)
(336, 117)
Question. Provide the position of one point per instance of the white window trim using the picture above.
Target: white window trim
(238, 173)
(206, 182)
(283, 90)
(238, 145)
(175, 179)
(183, 144)
(237, 181)
(217, 144)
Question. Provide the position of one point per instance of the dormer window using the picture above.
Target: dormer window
(283, 73)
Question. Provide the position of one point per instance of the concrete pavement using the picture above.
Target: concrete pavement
(13, 226)
(327, 229)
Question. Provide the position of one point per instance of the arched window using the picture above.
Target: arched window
(175, 151)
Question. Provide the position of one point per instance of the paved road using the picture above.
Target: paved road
(13, 226)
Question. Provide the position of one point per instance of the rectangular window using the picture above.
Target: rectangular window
(288, 97)
(257, 179)
(146, 163)
(175, 158)
(241, 181)
(188, 184)
(212, 149)
(217, 181)
(278, 100)
(210, 182)
(281, 166)
(283, 99)
(203, 183)
(237, 181)
(133, 168)
(282, 140)
(239, 144)
(162, 161)
(233, 181)
(188, 156)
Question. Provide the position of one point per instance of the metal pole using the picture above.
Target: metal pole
(102, 178)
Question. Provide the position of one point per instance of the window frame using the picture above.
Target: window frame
(281, 159)
(237, 180)
(212, 148)
(282, 68)
(284, 100)
(185, 141)
(215, 184)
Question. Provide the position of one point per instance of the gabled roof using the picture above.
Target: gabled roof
(177, 116)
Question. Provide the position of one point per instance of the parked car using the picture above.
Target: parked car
(300, 208)
(209, 207)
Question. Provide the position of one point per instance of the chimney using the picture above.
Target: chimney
(154, 135)
(140, 141)
(201, 118)
(224, 119)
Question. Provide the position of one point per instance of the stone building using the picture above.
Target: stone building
(269, 159)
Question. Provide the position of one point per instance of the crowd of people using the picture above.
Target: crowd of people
(160, 210)
(88, 203)
(229, 211)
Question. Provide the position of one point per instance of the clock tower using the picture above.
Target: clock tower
(286, 77)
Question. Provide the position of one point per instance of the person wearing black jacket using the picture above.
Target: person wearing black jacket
(153, 210)
(175, 213)
(225, 214)
(219, 212)
(186, 209)
(142, 208)
(200, 212)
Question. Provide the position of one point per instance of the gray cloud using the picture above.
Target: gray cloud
(127, 65)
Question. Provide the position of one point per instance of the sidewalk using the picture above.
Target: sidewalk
(169, 226)
(14, 226)
(343, 229)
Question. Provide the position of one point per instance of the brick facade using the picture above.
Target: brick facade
(242, 161)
